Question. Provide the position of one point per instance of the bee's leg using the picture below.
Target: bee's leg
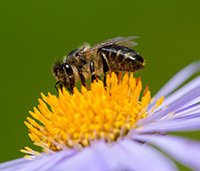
(94, 76)
(61, 87)
(71, 81)
(83, 81)
(105, 67)
(71, 87)
(55, 85)
(71, 90)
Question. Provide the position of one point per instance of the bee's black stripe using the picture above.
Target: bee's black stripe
(94, 76)
(83, 81)
(105, 66)
(91, 67)
(105, 63)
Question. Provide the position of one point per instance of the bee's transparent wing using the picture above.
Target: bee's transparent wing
(128, 43)
(118, 40)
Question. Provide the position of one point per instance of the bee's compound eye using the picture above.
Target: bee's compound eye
(68, 69)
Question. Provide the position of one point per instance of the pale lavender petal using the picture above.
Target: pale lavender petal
(172, 108)
(183, 114)
(183, 150)
(146, 157)
(66, 159)
(122, 155)
(40, 163)
(130, 155)
(186, 119)
(188, 110)
(172, 125)
(89, 159)
(178, 79)
(51, 161)
(13, 163)
(115, 158)
(181, 92)
(192, 102)
(85, 160)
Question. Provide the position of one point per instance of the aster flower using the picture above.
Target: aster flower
(115, 129)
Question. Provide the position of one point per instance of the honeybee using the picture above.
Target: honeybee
(110, 55)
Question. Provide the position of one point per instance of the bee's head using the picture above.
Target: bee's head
(64, 74)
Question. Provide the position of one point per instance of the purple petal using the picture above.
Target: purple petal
(146, 157)
(188, 110)
(13, 163)
(50, 161)
(178, 79)
(40, 163)
(186, 119)
(181, 92)
(172, 108)
(122, 155)
(172, 125)
(183, 150)
(192, 102)
(183, 117)
(114, 157)
(87, 160)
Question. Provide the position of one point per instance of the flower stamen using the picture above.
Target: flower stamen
(75, 121)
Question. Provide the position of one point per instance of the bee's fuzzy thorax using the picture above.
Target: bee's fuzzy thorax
(84, 46)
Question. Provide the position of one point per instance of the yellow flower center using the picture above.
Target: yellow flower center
(74, 121)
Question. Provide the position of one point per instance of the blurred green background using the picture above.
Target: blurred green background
(34, 34)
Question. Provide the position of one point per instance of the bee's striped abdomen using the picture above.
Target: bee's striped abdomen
(121, 58)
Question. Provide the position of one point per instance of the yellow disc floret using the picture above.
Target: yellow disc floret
(74, 121)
